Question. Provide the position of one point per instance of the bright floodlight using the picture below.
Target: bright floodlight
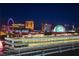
(59, 28)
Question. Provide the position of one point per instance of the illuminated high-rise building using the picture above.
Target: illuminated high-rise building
(42, 27)
(29, 25)
(47, 27)
(4, 28)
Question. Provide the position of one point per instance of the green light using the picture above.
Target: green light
(59, 28)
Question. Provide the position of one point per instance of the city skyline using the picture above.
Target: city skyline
(50, 13)
(39, 29)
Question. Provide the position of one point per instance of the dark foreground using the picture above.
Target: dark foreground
(67, 53)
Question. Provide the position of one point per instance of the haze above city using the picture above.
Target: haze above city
(50, 13)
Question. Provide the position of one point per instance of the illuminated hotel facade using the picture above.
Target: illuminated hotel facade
(29, 25)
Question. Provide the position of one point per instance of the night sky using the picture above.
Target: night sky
(51, 13)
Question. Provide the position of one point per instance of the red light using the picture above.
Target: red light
(1, 46)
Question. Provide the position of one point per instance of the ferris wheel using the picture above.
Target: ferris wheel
(9, 24)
